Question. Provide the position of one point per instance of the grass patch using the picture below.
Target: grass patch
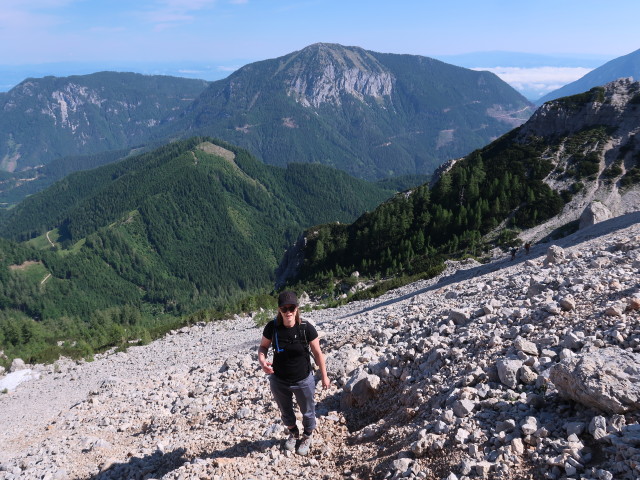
(41, 242)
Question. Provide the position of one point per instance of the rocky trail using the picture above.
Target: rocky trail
(515, 370)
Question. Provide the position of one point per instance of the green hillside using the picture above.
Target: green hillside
(413, 232)
(195, 224)
(15, 186)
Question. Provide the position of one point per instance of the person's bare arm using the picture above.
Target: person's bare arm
(263, 350)
(319, 358)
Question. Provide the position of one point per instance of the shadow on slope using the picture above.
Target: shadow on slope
(155, 465)
(537, 251)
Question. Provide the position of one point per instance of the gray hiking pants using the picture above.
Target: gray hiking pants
(304, 391)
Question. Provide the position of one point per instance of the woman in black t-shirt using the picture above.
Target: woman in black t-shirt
(290, 373)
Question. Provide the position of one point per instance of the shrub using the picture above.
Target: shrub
(263, 317)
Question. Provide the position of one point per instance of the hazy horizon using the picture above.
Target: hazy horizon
(534, 76)
(208, 39)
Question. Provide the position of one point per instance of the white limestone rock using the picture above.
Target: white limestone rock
(607, 379)
(595, 212)
(508, 371)
(360, 388)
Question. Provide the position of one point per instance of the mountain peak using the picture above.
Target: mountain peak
(605, 105)
(325, 72)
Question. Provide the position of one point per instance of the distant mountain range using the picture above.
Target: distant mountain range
(197, 223)
(370, 114)
(49, 118)
(621, 67)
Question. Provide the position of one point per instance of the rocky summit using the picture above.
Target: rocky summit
(515, 369)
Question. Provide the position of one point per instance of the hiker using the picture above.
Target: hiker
(514, 250)
(527, 247)
(290, 373)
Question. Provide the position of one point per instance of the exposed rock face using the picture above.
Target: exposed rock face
(85, 114)
(607, 380)
(370, 114)
(608, 105)
(590, 139)
(342, 72)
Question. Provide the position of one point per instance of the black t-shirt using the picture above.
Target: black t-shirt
(290, 356)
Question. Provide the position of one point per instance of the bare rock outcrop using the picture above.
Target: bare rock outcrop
(607, 379)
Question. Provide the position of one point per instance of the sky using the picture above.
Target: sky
(211, 38)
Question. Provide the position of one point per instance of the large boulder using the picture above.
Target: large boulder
(607, 379)
(342, 363)
(17, 364)
(596, 212)
(555, 255)
(360, 388)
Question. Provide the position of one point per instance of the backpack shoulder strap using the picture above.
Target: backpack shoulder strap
(274, 338)
(303, 333)
(303, 325)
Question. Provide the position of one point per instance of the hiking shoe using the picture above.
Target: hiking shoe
(305, 445)
(290, 444)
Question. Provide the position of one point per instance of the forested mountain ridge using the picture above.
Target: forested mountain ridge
(371, 114)
(538, 179)
(47, 118)
(15, 186)
(192, 225)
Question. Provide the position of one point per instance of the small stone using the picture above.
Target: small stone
(526, 346)
(614, 311)
(517, 446)
(459, 317)
(463, 408)
(567, 304)
(633, 303)
(527, 375)
(462, 435)
(530, 426)
(508, 371)
(598, 427)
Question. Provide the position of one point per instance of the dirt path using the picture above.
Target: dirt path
(49, 240)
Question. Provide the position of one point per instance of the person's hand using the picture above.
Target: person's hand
(325, 382)
(267, 368)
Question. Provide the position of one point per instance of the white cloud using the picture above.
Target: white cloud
(31, 14)
(165, 13)
(538, 81)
